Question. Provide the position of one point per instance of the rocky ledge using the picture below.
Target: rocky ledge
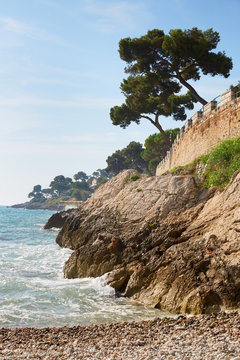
(165, 241)
(58, 219)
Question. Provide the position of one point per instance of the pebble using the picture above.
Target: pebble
(198, 337)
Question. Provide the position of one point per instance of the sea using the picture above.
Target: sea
(33, 290)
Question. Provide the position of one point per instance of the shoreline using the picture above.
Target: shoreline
(204, 337)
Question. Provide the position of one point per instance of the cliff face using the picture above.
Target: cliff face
(164, 240)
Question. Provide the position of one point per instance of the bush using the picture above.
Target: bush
(134, 177)
(221, 163)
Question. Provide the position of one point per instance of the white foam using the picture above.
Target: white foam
(99, 284)
(68, 207)
(34, 291)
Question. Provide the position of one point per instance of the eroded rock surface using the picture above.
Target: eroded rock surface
(58, 219)
(163, 240)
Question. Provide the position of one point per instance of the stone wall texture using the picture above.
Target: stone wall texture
(206, 132)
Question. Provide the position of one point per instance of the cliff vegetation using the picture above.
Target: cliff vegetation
(217, 167)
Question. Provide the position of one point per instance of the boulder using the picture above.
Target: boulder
(57, 220)
(165, 241)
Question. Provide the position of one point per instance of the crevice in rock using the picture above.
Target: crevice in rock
(122, 289)
(211, 303)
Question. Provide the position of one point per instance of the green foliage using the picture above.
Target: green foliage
(205, 158)
(144, 160)
(156, 148)
(221, 163)
(181, 53)
(115, 162)
(81, 175)
(134, 177)
(60, 184)
(153, 225)
(123, 116)
(139, 190)
(80, 195)
(159, 65)
(65, 189)
(36, 193)
(80, 185)
(127, 158)
(37, 188)
(152, 165)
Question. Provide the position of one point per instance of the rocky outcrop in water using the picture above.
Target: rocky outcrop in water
(164, 241)
(57, 220)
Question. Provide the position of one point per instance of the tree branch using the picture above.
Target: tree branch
(159, 127)
(191, 89)
(148, 118)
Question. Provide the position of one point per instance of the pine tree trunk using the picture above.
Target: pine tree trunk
(158, 126)
(192, 90)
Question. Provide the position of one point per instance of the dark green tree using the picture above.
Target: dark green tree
(37, 188)
(100, 173)
(36, 194)
(81, 175)
(133, 159)
(156, 148)
(80, 185)
(48, 193)
(80, 195)
(60, 184)
(127, 158)
(159, 65)
(115, 163)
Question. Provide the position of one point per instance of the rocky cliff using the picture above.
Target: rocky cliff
(165, 241)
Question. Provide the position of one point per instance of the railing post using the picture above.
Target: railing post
(227, 96)
(209, 107)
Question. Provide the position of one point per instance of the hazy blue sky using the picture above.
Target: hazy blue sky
(60, 73)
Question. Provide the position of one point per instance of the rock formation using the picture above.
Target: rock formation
(58, 219)
(165, 241)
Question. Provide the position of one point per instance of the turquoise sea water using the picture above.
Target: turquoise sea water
(33, 291)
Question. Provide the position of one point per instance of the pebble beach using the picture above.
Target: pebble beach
(196, 337)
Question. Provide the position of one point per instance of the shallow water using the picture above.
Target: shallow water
(33, 291)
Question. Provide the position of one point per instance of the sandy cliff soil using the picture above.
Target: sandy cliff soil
(165, 241)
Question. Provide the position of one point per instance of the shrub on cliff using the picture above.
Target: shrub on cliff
(217, 167)
(221, 163)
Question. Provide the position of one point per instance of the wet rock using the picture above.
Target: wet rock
(57, 220)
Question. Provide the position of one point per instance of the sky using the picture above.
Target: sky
(60, 73)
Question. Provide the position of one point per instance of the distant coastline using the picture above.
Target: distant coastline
(30, 205)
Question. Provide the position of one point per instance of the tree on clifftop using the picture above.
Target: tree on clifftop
(36, 194)
(156, 148)
(81, 175)
(127, 158)
(60, 184)
(159, 65)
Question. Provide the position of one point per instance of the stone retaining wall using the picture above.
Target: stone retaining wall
(203, 131)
